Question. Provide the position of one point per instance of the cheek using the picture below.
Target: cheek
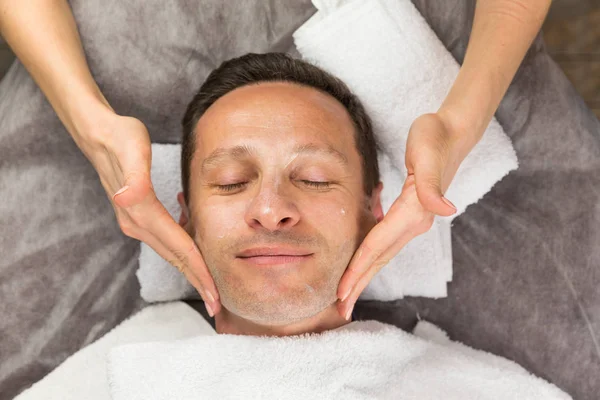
(338, 221)
(218, 221)
(335, 218)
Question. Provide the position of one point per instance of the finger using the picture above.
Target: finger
(136, 189)
(147, 213)
(345, 307)
(164, 252)
(379, 239)
(135, 169)
(405, 220)
(172, 243)
(428, 173)
(178, 241)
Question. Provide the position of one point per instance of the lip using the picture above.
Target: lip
(274, 260)
(273, 251)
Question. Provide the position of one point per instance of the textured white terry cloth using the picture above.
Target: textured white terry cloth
(159, 280)
(393, 61)
(422, 268)
(83, 375)
(362, 360)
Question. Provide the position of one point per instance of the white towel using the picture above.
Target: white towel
(389, 56)
(362, 360)
(83, 375)
(159, 280)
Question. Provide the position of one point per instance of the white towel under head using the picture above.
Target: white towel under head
(388, 55)
(159, 280)
(422, 268)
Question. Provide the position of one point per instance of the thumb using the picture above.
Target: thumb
(428, 173)
(135, 161)
(136, 190)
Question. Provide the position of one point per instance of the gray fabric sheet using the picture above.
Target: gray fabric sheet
(526, 257)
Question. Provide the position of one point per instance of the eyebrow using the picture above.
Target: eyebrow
(240, 152)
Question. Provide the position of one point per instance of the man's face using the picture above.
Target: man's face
(277, 205)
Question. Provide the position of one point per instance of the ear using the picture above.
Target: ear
(185, 213)
(375, 202)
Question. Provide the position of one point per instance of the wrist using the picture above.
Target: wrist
(460, 124)
(463, 134)
(85, 112)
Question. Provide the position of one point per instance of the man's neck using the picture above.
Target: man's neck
(328, 319)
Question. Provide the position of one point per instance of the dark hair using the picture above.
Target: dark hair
(277, 67)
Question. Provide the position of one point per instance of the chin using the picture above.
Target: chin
(280, 311)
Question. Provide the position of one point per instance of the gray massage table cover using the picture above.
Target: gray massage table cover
(526, 257)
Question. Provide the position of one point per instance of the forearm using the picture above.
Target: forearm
(44, 36)
(502, 32)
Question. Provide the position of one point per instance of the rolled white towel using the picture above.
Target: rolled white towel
(159, 280)
(422, 268)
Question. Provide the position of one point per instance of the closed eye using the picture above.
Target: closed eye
(234, 186)
(316, 185)
(231, 187)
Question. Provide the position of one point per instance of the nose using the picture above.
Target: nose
(272, 211)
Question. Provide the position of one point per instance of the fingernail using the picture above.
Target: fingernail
(445, 200)
(349, 313)
(345, 296)
(360, 253)
(210, 296)
(209, 310)
(124, 188)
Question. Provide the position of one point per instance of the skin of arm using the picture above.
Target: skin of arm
(503, 31)
(44, 36)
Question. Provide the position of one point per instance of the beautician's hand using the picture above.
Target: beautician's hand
(44, 37)
(434, 152)
(405, 220)
(437, 143)
(120, 150)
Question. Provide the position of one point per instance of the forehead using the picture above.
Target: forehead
(275, 114)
